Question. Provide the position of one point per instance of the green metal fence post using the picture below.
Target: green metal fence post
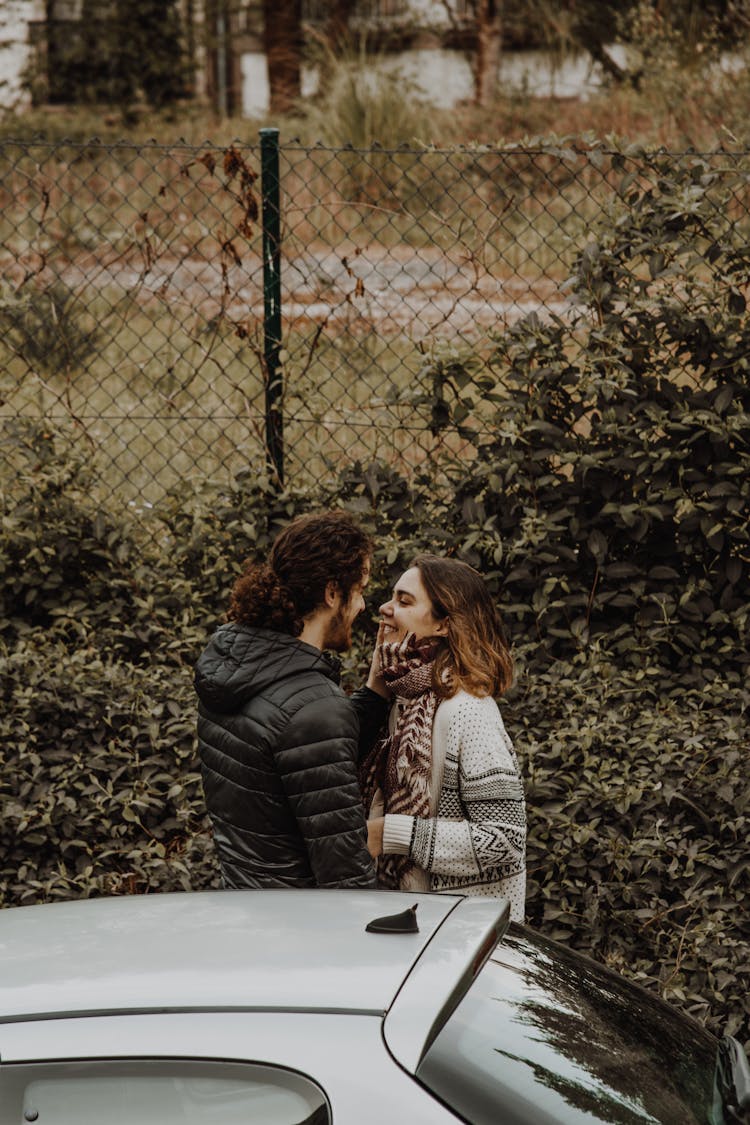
(271, 214)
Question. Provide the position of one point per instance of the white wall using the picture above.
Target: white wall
(444, 76)
(255, 91)
(255, 88)
(15, 16)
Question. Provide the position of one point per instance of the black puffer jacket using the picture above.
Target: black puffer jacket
(278, 743)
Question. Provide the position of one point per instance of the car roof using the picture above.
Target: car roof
(301, 950)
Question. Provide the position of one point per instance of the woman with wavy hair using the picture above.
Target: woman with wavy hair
(443, 789)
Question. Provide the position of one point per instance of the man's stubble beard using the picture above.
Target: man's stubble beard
(339, 635)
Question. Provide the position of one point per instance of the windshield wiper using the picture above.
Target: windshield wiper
(733, 1080)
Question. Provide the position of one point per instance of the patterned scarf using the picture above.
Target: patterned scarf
(400, 765)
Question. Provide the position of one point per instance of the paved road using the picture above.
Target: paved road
(399, 290)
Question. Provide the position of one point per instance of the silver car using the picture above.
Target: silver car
(356, 1007)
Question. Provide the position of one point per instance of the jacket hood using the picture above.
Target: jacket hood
(240, 662)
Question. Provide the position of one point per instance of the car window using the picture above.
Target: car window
(545, 1036)
(158, 1092)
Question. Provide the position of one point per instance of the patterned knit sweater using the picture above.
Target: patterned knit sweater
(474, 841)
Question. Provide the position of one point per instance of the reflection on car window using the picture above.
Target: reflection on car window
(548, 1037)
(158, 1092)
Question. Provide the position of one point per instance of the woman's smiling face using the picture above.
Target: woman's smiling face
(410, 610)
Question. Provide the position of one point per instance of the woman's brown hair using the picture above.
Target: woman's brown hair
(476, 656)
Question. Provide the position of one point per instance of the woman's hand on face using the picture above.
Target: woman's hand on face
(375, 681)
(375, 836)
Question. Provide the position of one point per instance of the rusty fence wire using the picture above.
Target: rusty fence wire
(134, 302)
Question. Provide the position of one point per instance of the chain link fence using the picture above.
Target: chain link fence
(138, 311)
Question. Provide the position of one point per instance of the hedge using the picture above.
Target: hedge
(635, 779)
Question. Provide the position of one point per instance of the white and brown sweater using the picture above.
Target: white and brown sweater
(474, 841)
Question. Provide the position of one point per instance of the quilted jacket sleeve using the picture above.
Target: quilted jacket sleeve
(372, 710)
(316, 760)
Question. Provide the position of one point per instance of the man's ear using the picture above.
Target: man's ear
(332, 594)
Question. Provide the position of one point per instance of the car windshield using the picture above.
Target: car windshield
(546, 1036)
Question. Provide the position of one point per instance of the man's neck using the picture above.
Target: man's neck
(314, 632)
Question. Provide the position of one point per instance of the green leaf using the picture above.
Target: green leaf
(597, 544)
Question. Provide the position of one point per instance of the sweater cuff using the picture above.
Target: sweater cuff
(398, 830)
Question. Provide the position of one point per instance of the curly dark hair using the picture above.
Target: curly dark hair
(313, 550)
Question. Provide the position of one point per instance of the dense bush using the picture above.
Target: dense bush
(639, 812)
(127, 52)
(101, 793)
(610, 490)
(635, 781)
(72, 567)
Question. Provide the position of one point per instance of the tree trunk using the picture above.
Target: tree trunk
(337, 24)
(489, 46)
(282, 34)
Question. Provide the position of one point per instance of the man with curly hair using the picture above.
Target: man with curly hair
(279, 740)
